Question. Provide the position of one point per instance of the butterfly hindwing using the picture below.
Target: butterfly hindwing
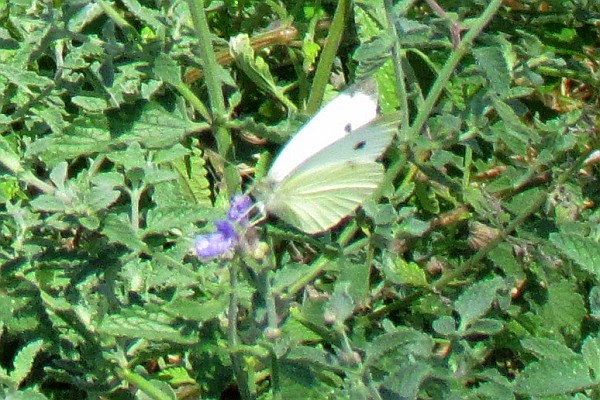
(317, 199)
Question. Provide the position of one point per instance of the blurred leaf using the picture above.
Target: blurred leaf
(341, 305)
(550, 377)
(119, 230)
(493, 63)
(132, 326)
(476, 300)
(583, 251)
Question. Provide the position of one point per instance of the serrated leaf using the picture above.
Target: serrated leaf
(485, 326)
(158, 128)
(49, 203)
(100, 198)
(594, 302)
(161, 220)
(591, 353)
(552, 377)
(391, 345)
(255, 67)
(193, 178)
(118, 229)
(133, 157)
(27, 394)
(83, 137)
(444, 325)
(24, 361)
(581, 250)
(401, 272)
(564, 310)
(493, 63)
(24, 79)
(547, 348)
(167, 69)
(476, 300)
(201, 311)
(406, 381)
(91, 104)
(137, 327)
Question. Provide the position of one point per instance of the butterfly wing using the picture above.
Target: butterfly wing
(366, 144)
(319, 198)
(345, 113)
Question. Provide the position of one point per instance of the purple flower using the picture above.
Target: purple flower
(217, 243)
(225, 238)
(238, 209)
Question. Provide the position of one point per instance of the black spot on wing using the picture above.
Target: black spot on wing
(348, 128)
(360, 145)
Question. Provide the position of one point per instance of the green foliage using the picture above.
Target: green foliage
(127, 126)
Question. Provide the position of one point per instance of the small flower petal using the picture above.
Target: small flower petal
(238, 209)
(217, 243)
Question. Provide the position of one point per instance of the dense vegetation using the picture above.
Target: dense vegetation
(127, 127)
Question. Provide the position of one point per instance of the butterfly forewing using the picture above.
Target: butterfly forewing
(317, 199)
(344, 114)
(366, 144)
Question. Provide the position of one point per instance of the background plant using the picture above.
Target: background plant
(127, 126)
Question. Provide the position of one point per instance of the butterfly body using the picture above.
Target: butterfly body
(330, 166)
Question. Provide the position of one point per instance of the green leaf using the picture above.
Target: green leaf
(195, 310)
(476, 300)
(591, 353)
(581, 250)
(90, 104)
(547, 348)
(167, 69)
(133, 326)
(406, 381)
(158, 128)
(399, 344)
(256, 68)
(444, 325)
(118, 229)
(84, 136)
(400, 272)
(493, 63)
(24, 79)
(564, 310)
(162, 219)
(340, 306)
(193, 178)
(551, 377)
(23, 362)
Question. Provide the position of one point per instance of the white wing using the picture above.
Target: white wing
(317, 199)
(366, 144)
(345, 113)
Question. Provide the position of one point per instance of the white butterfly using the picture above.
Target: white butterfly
(329, 167)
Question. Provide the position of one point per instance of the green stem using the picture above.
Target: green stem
(194, 101)
(142, 383)
(237, 361)
(211, 70)
(327, 57)
(397, 60)
(446, 73)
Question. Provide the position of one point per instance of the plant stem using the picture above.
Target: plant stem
(217, 101)
(450, 66)
(327, 57)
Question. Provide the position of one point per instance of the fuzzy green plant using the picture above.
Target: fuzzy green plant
(129, 130)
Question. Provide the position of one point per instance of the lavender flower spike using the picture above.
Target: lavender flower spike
(217, 243)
